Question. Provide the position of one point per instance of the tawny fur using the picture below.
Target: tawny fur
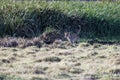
(72, 37)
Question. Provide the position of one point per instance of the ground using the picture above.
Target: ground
(81, 62)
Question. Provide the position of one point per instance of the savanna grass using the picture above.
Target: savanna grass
(32, 18)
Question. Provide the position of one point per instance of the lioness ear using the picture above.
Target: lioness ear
(66, 34)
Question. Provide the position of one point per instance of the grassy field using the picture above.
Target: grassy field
(32, 18)
(61, 62)
(28, 58)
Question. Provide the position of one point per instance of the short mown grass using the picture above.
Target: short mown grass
(31, 18)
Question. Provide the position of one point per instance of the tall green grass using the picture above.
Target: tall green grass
(31, 18)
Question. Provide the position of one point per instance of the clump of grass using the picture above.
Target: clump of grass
(39, 78)
(49, 29)
(2, 77)
(20, 42)
(31, 18)
(52, 59)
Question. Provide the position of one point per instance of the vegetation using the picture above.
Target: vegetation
(5, 77)
(32, 18)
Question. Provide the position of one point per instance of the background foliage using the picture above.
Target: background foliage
(32, 18)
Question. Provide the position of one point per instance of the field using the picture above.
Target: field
(25, 56)
(98, 61)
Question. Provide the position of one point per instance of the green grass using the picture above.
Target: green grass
(31, 18)
(5, 77)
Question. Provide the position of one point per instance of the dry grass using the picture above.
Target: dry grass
(49, 63)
